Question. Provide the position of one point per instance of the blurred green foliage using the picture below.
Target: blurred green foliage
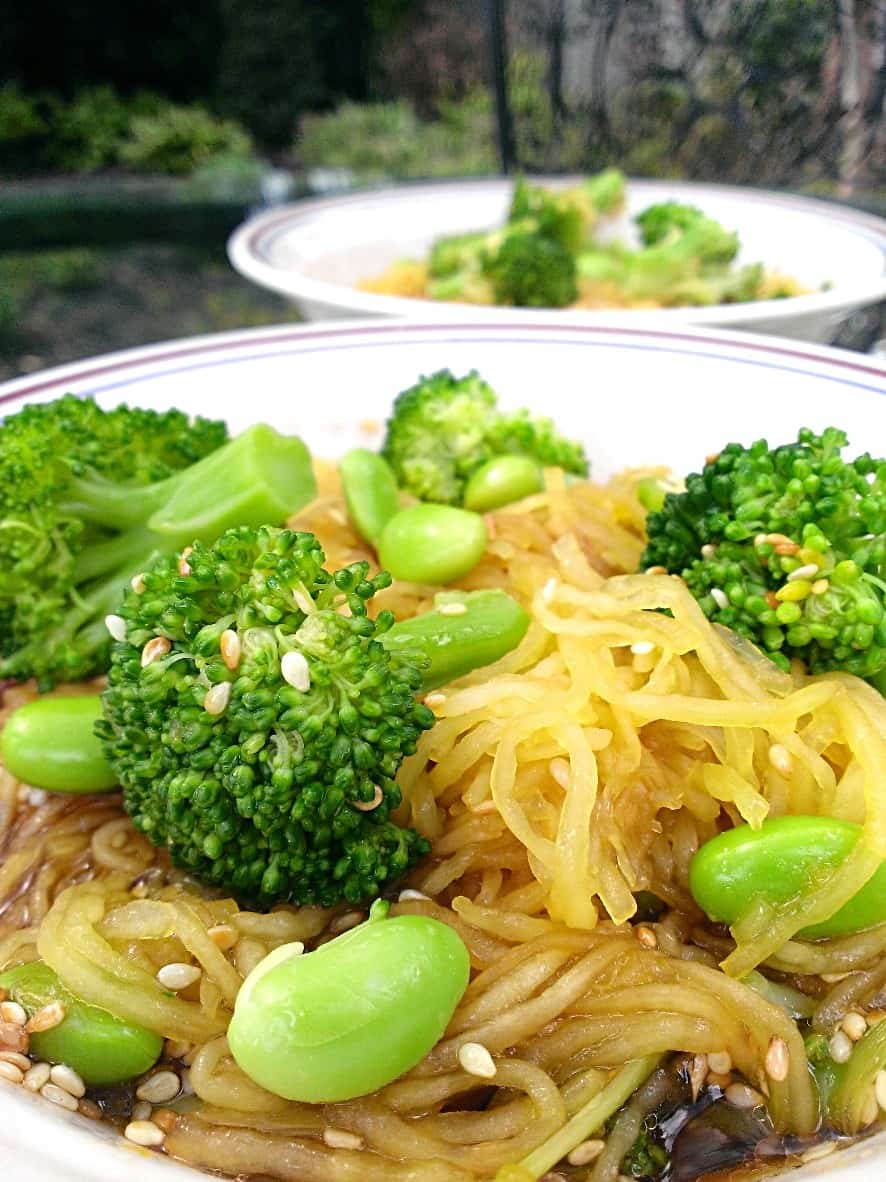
(176, 140)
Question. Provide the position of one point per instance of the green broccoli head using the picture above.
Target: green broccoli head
(456, 253)
(563, 217)
(606, 191)
(665, 220)
(787, 546)
(444, 428)
(260, 745)
(530, 270)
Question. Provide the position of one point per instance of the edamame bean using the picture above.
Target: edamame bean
(50, 744)
(353, 1015)
(650, 493)
(432, 543)
(102, 1049)
(502, 481)
(488, 627)
(370, 490)
(781, 861)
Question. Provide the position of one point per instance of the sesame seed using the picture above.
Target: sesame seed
(820, 586)
(13, 1038)
(184, 567)
(412, 896)
(779, 540)
(818, 1151)
(561, 771)
(840, 1047)
(708, 550)
(586, 1152)
(89, 1109)
(66, 1077)
(217, 698)
(720, 1062)
(433, 700)
(116, 626)
(778, 1059)
(343, 923)
(366, 806)
(880, 1089)
(741, 1096)
(20, 1061)
(141, 1110)
(137, 583)
(782, 760)
(809, 571)
(303, 602)
(224, 937)
(179, 976)
(160, 1087)
(787, 549)
(154, 649)
(452, 609)
(720, 598)
(145, 1133)
(549, 590)
(37, 1076)
(646, 936)
(854, 1025)
(475, 1059)
(295, 671)
(13, 1013)
(165, 1118)
(642, 648)
(656, 570)
(698, 1069)
(485, 806)
(10, 1072)
(229, 644)
(56, 1095)
(341, 1139)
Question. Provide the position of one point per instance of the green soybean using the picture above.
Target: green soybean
(353, 1015)
(432, 543)
(780, 861)
(488, 625)
(650, 493)
(501, 481)
(102, 1049)
(50, 744)
(370, 490)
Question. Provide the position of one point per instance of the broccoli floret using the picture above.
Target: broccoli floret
(261, 745)
(787, 546)
(88, 496)
(444, 428)
(456, 252)
(666, 219)
(606, 191)
(542, 211)
(530, 270)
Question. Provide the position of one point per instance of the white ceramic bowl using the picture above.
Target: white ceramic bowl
(317, 251)
(635, 395)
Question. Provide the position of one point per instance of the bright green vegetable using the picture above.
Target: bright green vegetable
(490, 625)
(50, 744)
(352, 1016)
(781, 861)
(370, 490)
(849, 1101)
(102, 1049)
(432, 543)
(272, 776)
(529, 270)
(650, 493)
(501, 482)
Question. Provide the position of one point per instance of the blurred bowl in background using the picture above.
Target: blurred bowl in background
(316, 252)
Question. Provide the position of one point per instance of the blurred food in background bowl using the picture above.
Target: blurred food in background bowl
(319, 252)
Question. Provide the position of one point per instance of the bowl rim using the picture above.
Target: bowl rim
(247, 252)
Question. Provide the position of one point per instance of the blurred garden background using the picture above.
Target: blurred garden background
(133, 138)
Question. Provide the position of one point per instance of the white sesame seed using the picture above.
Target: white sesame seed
(10, 1072)
(296, 671)
(412, 896)
(819, 587)
(217, 698)
(179, 976)
(561, 771)
(782, 760)
(159, 1088)
(840, 1047)
(880, 1089)
(698, 1070)
(708, 550)
(341, 1139)
(116, 626)
(141, 1110)
(184, 567)
(224, 937)
(366, 806)
(303, 602)
(145, 1133)
(137, 583)
(809, 571)
(452, 609)
(549, 590)
(476, 1060)
(66, 1077)
(778, 1059)
(20, 1061)
(158, 647)
(642, 648)
(37, 1076)
(854, 1025)
(646, 936)
(56, 1095)
(434, 700)
(720, 1062)
(741, 1096)
(720, 598)
(13, 1013)
(818, 1151)
(586, 1152)
(229, 644)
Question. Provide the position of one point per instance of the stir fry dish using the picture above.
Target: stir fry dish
(442, 813)
(560, 249)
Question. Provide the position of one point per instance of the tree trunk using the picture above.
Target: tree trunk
(852, 134)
